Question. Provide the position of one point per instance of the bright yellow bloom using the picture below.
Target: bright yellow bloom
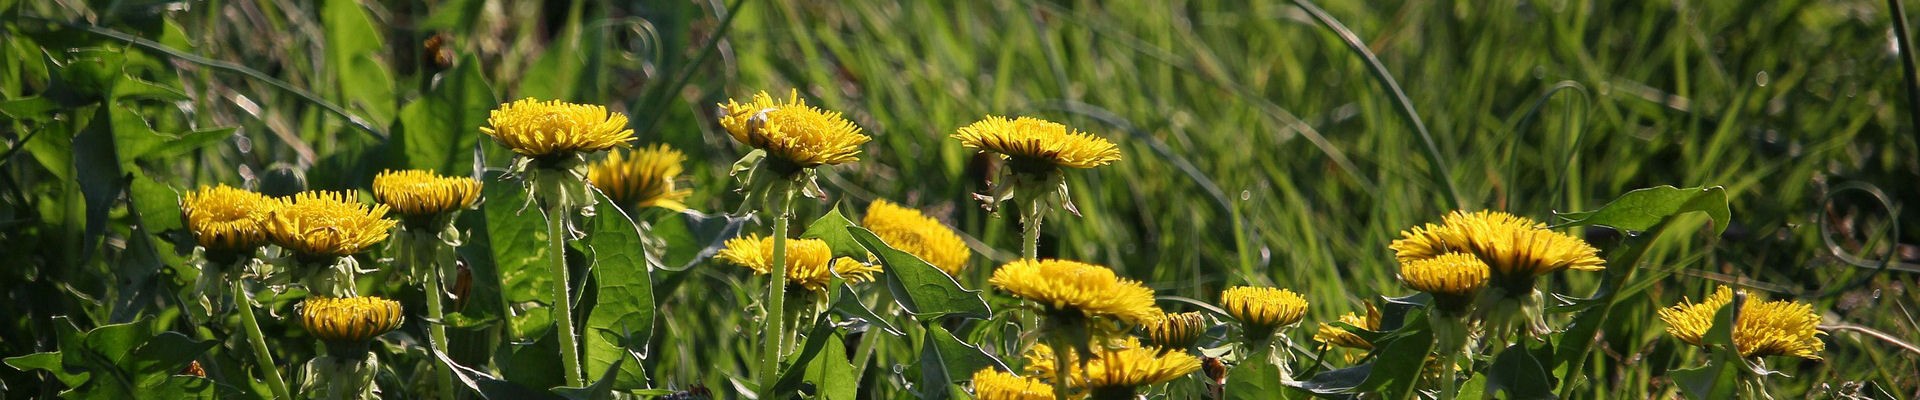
(417, 193)
(1037, 142)
(1767, 328)
(991, 384)
(1117, 364)
(349, 319)
(1337, 336)
(810, 262)
(642, 178)
(910, 231)
(225, 218)
(1261, 310)
(1089, 289)
(534, 128)
(793, 131)
(1176, 331)
(324, 223)
(1512, 246)
(1451, 274)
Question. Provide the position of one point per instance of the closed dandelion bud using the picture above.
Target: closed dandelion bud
(1263, 310)
(1175, 332)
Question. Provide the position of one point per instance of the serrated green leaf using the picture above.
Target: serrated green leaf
(832, 228)
(1520, 373)
(831, 373)
(847, 304)
(622, 316)
(944, 359)
(1256, 378)
(1641, 209)
(919, 287)
(518, 241)
(1402, 357)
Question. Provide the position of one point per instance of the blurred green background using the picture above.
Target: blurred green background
(1259, 148)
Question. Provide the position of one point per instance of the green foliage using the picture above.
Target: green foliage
(923, 290)
(121, 361)
(624, 310)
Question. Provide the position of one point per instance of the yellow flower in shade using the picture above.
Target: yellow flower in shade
(349, 319)
(792, 131)
(1453, 279)
(226, 218)
(1767, 328)
(1070, 286)
(642, 178)
(1175, 331)
(535, 128)
(910, 231)
(324, 223)
(1338, 336)
(810, 262)
(1512, 246)
(1261, 310)
(1118, 365)
(417, 193)
(1031, 142)
(991, 384)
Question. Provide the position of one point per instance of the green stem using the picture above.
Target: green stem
(772, 327)
(436, 316)
(1062, 350)
(562, 300)
(1449, 385)
(259, 343)
(1030, 220)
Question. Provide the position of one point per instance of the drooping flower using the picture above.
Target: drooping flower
(1028, 142)
(1513, 247)
(910, 231)
(420, 195)
(642, 178)
(1337, 336)
(1117, 367)
(793, 132)
(992, 384)
(349, 319)
(326, 223)
(540, 129)
(225, 218)
(1063, 286)
(1765, 328)
(810, 263)
(1262, 310)
(1175, 331)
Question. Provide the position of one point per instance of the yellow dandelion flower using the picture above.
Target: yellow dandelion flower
(1175, 331)
(1337, 336)
(1070, 286)
(1261, 310)
(910, 231)
(991, 384)
(418, 193)
(642, 178)
(810, 263)
(1451, 274)
(1118, 365)
(325, 223)
(1033, 143)
(1512, 246)
(1768, 328)
(792, 131)
(226, 218)
(349, 319)
(537, 129)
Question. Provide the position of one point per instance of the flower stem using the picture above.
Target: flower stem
(774, 324)
(1030, 216)
(259, 343)
(562, 300)
(1449, 383)
(1062, 350)
(436, 326)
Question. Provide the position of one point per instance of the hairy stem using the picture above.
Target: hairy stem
(562, 300)
(772, 327)
(436, 315)
(259, 343)
(1030, 216)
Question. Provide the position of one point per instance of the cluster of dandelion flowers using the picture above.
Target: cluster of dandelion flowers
(1767, 328)
(1263, 310)
(349, 320)
(423, 198)
(1037, 145)
(327, 224)
(1175, 331)
(910, 231)
(227, 219)
(549, 129)
(1115, 368)
(810, 263)
(1337, 336)
(1071, 289)
(1454, 279)
(992, 384)
(642, 178)
(1516, 249)
(795, 134)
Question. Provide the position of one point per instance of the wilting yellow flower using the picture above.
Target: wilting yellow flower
(417, 193)
(1091, 290)
(535, 128)
(1451, 274)
(1117, 364)
(226, 218)
(910, 231)
(810, 262)
(1512, 246)
(324, 223)
(1767, 328)
(991, 384)
(349, 319)
(1036, 142)
(1261, 310)
(793, 131)
(1175, 331)
(1338, 336)
(642, 178)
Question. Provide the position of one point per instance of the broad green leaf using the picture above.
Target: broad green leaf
(534, 364)
(945, 359)
(1641, 209)
(832, 228)
(795, 366)
(353, 47)
(600, 389)
(50, 362)
(186, 143)
(1256, 378)
(847, 304)
(96, 164)
(1402, 358)
(690, 237)
(492, 387)
(438, 131)
(622, 316)
(1339, 381)
(166, 353)
(518, 240)
(831, 373)
(1521, 373)
(920, 288)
